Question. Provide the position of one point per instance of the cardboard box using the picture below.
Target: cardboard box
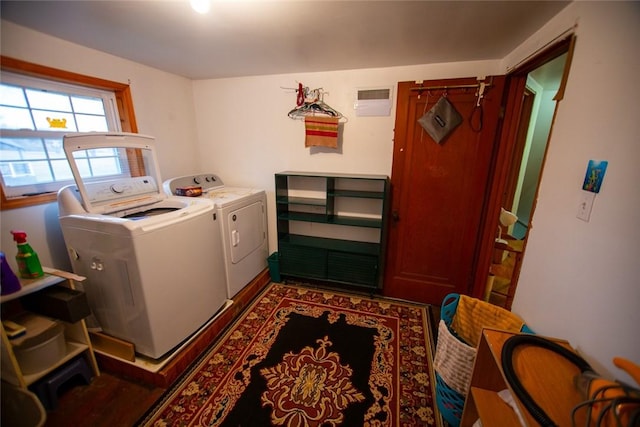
(192, 191)
(59, 302)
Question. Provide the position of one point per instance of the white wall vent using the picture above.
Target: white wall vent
(373, 101)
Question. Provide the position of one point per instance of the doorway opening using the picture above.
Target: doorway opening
(542, 92)
(542, 85)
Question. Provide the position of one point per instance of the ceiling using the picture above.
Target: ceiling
(260, 37)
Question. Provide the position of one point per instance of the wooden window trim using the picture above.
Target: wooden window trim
(124, 102)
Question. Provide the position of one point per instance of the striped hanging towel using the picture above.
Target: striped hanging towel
(321, 131)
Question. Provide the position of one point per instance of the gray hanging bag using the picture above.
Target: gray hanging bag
(440, 120)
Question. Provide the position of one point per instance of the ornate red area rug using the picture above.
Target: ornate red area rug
(305, 357)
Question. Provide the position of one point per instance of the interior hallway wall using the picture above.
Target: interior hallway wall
(535, 154)
(579, 280)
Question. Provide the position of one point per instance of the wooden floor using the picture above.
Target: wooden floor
(117, 400)
(121, 395)
(109, 401)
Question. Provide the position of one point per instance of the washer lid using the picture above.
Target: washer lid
(114, 171)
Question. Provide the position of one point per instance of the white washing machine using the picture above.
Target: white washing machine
(154, 263)
(243, 215)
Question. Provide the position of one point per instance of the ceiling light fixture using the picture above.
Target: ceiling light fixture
(200, 6)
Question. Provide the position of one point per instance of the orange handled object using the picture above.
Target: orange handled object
(629, 367)
(614, 403)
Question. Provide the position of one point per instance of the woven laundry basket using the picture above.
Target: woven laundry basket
(459, 330)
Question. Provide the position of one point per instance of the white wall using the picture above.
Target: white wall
(164, 109)
(579, 280)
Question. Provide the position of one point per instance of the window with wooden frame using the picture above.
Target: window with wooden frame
(53, 102)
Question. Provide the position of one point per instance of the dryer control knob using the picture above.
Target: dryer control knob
(196, 180)
(117, 188)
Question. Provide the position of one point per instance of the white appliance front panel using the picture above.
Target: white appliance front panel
(153, 289)
(245, 229)
(245, 240)
(243, 222)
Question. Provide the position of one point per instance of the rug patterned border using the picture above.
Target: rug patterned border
(404, 366)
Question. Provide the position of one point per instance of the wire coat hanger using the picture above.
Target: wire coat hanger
(310, 103)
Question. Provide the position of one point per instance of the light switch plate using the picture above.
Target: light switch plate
(586, 203)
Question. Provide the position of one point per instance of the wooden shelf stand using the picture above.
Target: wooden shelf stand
(547, 376)
(76, 336)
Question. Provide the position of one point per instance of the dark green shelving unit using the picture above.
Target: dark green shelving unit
(332, 227)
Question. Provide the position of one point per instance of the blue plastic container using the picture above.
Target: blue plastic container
(449, 401)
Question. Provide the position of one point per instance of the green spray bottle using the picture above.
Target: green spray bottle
(27, 258)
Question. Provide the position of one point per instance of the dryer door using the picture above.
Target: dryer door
(245, 229)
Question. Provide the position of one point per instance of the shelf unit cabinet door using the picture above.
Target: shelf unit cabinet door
(352, 268)
(303, 261)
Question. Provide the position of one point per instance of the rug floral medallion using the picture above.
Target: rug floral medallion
(305, 357)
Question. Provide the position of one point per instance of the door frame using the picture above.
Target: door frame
(506, 148)
(520, 144)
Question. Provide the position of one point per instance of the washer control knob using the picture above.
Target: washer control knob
(117, 188)
(196, 179)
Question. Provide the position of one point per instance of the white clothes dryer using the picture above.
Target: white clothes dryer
(154, 263)
(243, 215)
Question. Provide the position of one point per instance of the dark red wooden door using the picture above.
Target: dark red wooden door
(439, 190)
